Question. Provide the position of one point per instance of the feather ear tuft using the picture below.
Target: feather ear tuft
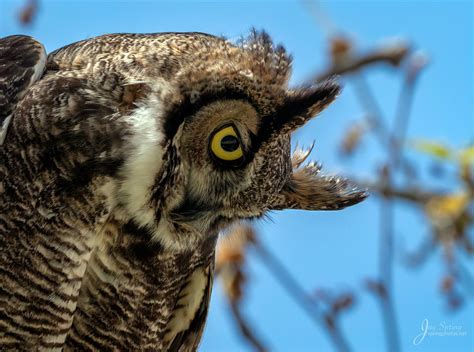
(297, 107)
(303, 104)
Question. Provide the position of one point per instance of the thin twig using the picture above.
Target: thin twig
(386, 271)
(367, 100)
(390, 55)
(320, 16)
(397, 140)
(410, 194)
(404, 106)
(294, 289)
(375, 119)
(420, 254)
(245, 328)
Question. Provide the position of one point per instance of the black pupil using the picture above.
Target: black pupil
(229, 143)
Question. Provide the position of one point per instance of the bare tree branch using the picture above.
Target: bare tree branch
(309, 305)
(245, 328)
(390, 55)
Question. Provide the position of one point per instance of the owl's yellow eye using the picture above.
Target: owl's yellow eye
(225, 145)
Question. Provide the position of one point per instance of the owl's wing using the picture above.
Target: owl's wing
(22, 62)
(189, 338)
(68, 127)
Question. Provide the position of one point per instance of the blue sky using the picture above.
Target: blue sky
(337, 250)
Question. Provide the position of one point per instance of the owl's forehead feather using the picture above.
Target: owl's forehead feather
(171, 54)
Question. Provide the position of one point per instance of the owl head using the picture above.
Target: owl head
(226, 122)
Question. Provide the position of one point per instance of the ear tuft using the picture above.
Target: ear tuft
(303, 104)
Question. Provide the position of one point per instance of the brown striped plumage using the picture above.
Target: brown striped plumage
(17, 72)
(111, 198)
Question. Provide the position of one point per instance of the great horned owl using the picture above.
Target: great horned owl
(124, 157)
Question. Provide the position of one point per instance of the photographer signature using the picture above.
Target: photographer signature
(442, 329)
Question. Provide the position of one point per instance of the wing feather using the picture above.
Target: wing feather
(189, 338)
(45, 246)
(22, 63)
